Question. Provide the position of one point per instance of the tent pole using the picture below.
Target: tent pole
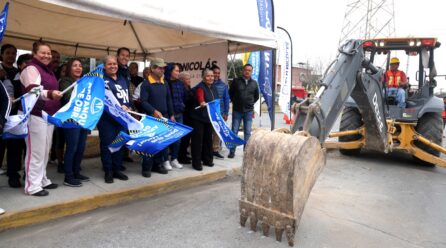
(273, 86)
(232, 61)
(137, 37)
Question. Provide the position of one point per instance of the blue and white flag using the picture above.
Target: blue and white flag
(254, 60)
(4, 20)
(16, 126)
(265, 81)
(225, 134)
(156, 135)
(113, 107)
(86, 103)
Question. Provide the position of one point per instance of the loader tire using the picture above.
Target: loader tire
(351, 119)
(430, 125)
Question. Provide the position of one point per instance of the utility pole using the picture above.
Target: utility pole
(368, 19)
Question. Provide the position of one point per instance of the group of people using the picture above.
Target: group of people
(164, 91)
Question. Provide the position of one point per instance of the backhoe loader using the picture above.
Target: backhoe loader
(281, 167)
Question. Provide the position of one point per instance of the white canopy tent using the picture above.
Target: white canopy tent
(93, 28)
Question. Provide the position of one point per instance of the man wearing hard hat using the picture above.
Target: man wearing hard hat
(396, 82)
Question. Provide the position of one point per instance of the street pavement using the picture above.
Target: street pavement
(373, 200)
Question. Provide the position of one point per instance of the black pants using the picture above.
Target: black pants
(201, 143)
(15, 149)
(156, 160)
(185, 141)
(108, 130)
(2, 150)
(14, 154)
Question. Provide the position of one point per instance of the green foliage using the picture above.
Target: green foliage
(234, 69)
(85, 62)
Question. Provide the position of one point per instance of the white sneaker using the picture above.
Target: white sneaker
(167, 165)
(176, 164)
(2, 172)
(2, 211)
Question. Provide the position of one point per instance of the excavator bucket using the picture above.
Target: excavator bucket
(279, 171)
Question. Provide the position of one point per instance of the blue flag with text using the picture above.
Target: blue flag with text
(224, 132)
(4, 20)
(156, 135)
(265, 80)
(86, 103)
(114, 108)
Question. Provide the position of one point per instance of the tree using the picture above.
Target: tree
(311, 75)
(235, 68)
(84, 61)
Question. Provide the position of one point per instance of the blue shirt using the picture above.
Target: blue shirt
(119, 88)
(178, 96)
(223, 95)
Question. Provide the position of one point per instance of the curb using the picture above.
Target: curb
(87, 203)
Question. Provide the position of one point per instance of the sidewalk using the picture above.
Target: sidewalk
(24, 210)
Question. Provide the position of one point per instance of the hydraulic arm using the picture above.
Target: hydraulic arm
(351, 75)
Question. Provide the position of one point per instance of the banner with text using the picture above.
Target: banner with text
(113, 107)
(195, 59)
(284, 60)
(86, 103)
(156, 135)
(225, 134)
(265, 81)
(4, 20)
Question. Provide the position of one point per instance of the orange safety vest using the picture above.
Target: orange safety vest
(393, 79)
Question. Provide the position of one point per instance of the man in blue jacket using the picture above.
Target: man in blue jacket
(156, 101)
(223, 95)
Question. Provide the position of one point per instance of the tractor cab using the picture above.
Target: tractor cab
(416, 60)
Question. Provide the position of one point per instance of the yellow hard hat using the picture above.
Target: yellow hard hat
(394, 60)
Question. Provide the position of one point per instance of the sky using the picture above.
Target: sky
(315, 27)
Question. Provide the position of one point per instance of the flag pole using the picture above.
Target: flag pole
(69, 88)
(144, 115)
(32, 91)
(63, 92)
(136, 113)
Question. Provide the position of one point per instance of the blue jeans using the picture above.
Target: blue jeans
(75, 139)
(175, 147)
(237, 118)
(400, 96)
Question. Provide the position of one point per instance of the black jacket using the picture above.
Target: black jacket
(210, 94)
(243, 96)
(4, 107)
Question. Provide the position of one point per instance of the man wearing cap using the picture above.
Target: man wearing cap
(156, 101)
(396, 82)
